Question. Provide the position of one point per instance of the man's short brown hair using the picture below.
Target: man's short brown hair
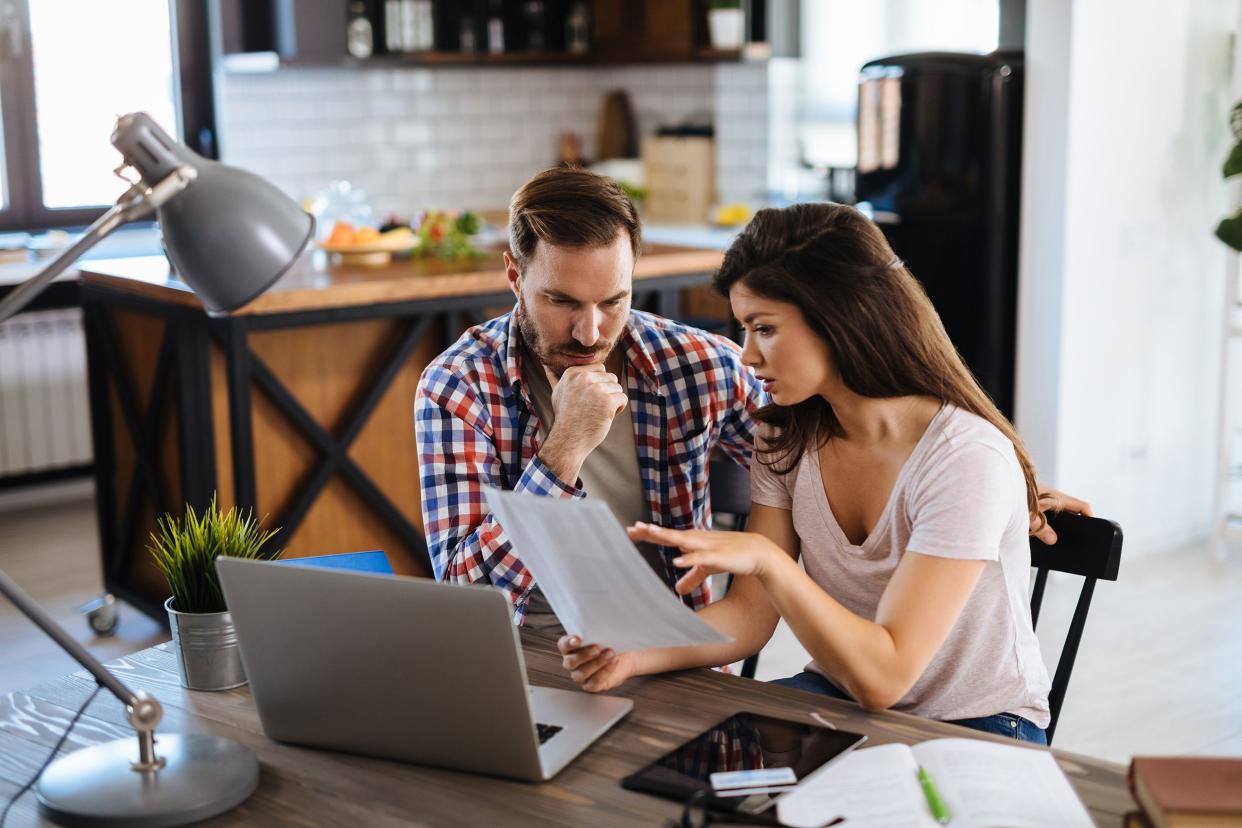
(570, 207)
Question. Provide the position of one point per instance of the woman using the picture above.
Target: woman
(884, 466)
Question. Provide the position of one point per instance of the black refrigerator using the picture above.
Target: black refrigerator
(940, 163)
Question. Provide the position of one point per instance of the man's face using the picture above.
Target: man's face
(573, 303)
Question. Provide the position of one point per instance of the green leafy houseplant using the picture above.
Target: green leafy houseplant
(185, 551)
(1230, 228)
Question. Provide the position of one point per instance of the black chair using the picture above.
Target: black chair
(729, 487)
(1086, 546)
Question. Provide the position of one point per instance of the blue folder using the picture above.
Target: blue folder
(374, 561)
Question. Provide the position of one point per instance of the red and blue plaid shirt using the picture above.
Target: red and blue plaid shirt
(476, 427)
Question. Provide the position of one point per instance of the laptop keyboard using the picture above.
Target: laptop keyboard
(546, 731)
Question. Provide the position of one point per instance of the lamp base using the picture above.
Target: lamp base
(202, 776)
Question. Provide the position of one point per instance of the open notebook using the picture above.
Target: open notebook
(982, 783)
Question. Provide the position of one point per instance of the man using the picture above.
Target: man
(573, 394)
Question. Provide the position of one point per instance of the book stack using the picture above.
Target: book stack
(1186, 792)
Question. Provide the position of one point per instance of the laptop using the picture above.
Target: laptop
(402, 668)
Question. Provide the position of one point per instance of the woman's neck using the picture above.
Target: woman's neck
(870, 421)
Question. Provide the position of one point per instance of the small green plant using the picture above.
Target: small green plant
(1230, 228)
(185, 551)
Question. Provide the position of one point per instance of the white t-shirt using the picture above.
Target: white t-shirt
(961, 494)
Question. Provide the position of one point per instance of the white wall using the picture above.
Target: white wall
(1121, 277)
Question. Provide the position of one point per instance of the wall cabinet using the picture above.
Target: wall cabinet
(295, 34)
(472, 32)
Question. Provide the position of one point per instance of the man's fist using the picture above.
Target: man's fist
(585, 401)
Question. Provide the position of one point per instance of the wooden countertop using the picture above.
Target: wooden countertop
(301, 786)
(315, 283)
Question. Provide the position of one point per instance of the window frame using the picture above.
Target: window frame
(192, 28)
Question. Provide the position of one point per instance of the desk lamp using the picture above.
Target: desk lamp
(229, 235)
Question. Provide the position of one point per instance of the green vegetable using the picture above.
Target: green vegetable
(467, 223)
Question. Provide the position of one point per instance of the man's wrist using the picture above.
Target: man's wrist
(562, 460)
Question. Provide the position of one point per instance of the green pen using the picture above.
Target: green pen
(939, 810)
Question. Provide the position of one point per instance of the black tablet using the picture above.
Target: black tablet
(745, 762)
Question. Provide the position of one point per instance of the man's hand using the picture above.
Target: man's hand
(594, 668)
(584, 402)
(1052, 500)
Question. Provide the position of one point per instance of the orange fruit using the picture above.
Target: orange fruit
(342, 235)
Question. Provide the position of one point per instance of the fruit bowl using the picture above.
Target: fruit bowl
(376, 250)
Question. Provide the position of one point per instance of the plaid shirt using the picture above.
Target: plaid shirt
(476, 426)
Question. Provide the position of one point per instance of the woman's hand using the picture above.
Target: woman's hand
(709, 553)
(1051, 501)
(594, 668)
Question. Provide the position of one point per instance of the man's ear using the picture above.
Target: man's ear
(513, 274)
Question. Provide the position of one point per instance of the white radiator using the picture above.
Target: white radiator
(44, 409)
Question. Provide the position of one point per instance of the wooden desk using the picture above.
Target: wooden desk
(298, 405)
(301, 786)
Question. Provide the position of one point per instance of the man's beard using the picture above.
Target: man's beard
(548, 354)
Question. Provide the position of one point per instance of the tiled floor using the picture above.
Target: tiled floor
(52, 552)
(1159, 669)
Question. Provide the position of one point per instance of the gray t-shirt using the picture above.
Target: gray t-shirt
(609, 473)
(961, 494)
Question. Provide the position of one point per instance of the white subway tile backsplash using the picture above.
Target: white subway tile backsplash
(412, 132)
(459, 137)
(369, 134)
(386, 107)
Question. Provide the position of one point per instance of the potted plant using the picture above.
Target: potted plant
(185, 551)
(726, 23)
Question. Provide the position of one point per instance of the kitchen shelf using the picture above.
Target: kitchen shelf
(476, 58)
(543, 58)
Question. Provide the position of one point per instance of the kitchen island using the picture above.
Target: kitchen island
(298, 405)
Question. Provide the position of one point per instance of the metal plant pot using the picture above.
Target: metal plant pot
(207, 651)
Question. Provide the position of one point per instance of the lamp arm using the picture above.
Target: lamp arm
(135, 203)
(143, 711)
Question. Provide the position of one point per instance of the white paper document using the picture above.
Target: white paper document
(594, 578)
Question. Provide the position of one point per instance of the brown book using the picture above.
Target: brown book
(1188, 791)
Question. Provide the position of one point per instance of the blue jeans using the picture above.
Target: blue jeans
(1003, 724)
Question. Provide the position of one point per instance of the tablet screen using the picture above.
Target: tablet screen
(744, 762)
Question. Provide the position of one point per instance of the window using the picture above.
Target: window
(839, 36)
(820, 134)
(68, 68)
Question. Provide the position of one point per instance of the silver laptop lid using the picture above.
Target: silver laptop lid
(388, 666)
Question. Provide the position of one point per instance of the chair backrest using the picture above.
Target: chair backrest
(729, 487)
(1086, 546)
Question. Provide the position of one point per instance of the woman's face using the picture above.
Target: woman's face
(792, 360)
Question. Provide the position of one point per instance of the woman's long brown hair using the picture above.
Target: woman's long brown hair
(887, 340)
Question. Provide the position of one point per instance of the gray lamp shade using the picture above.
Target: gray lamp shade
(230, 234)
